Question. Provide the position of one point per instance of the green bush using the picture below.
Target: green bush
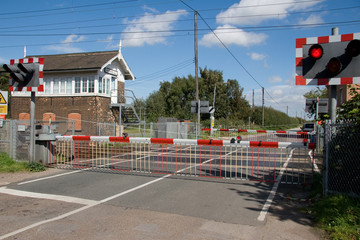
(36, 167)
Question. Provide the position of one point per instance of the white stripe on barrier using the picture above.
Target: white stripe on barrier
(185, 141)
(100, 138)
(236, 143)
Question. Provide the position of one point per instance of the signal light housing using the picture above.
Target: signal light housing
(26, 74)
(328, 60)
(316, 51)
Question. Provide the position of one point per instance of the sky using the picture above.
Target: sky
(251, 41)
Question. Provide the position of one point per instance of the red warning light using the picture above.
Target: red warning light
(316, 51)
(334, 66)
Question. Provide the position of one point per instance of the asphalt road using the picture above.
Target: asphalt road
(232, 202)
(94, 205)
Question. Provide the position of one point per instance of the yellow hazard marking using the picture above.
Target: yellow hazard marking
(2, 99)
(3, 109)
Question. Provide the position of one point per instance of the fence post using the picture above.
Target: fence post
(12, 147)
(326, 159)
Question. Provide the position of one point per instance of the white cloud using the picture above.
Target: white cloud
(275, 79)
(66, 45)
(257, 56)
(253, 12)
(312, 19)
(231, 35)
(150, 29)
(3, 60)
(285, 96)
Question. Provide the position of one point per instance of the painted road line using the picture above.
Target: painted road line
(82, 201)
(273, 191)
(49, 177)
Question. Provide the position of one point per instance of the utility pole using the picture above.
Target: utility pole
(333, 101)
(196, 71)
(263, 108)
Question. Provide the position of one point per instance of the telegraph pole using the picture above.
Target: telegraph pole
(333, 93)
(263, 108)
(196, 71)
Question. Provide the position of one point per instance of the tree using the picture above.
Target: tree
(317, 93)
(351, 108)
(173, 99)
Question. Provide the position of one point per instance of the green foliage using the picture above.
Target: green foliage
(36, 167)
(173, 99)
(339, 215)
(274, 118)
(351, 108)
(317, 93)
(9, 165)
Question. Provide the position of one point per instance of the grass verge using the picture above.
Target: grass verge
(338, 215)
(7, 164)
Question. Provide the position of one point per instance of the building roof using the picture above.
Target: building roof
(82, 61)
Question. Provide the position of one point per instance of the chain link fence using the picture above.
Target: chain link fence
(342, 158)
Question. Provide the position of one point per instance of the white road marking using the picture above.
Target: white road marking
(49, 177)
(273, 191)
(14, 192)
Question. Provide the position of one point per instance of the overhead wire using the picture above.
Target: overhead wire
(19, 28)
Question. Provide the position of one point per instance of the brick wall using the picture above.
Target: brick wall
(92, 109)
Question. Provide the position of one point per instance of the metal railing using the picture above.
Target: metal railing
(245, 160)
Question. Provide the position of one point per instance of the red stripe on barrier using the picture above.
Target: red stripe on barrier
(302, 133)
(210, 142)
(224, 130)
(280, 131)
(162, 140)
(261, 131)
(81, 138)
(242, 130)
(119, 139)
(206, 129)
(264, 144)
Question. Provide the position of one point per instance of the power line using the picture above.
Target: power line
(179, 30)
(230, 52)
(189, 33)
(8, 15)
(18, 28)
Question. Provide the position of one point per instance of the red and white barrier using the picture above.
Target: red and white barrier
(195, 142)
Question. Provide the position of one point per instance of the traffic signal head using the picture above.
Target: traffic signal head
(25, 74)
(331, 60)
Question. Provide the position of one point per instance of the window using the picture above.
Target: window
(104, 85)
(107, 86)
(100, 85)
(56, 85)
(84, 84)
(77, 84)
(113, 84)
(76, 119)
(48, 118)
(47, 85)
(24, 116)
(91, 84)
(68, 85)
(62, 85)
